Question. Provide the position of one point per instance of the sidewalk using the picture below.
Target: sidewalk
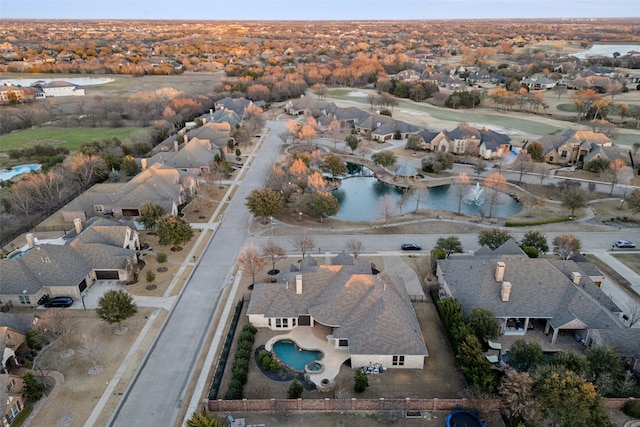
(631, 276)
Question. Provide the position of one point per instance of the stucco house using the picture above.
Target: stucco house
(571, 146)
(370, 316)
(553, 295)
(161, 184)
(103, 250)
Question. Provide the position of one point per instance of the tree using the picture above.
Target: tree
(461, 184)
(323, 204)
(173, 230)
(334, 165)
(525, 355)
(384, 159)
(360, 381)
(574, 199)
(566, 245)
(615, 168)
(58, 324)
(90, 349)
(604, 361)
(536, 150)
(251, 261)
(583, 100)
(535, 239)
(295, 390)
(496, 183)
(436, 164)
(493, 238)
(451, 245)
(523, 163)
(355, 247)
(479, 167)
(203, 419)
(352, 142)
(303, 243)
(150, 213)
(475, 367)
(633, 201)
(570, 361)
(484, 323)
(517, 396)
(33, 390)
(416, 143)
(386, 208)
(116, 306)
(273, 252)
(264, 202)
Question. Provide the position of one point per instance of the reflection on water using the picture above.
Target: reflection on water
(359, 198)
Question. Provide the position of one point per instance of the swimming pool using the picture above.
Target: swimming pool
(294, 356)
(6, 175)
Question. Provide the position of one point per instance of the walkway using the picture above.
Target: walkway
(630, 275)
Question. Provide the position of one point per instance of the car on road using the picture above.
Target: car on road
(410, 247)
(59, 302)
(624, 244)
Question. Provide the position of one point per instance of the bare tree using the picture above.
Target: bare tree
(303, 243)
(273, 252)
(633, 309)
(615, 169)
(90, 349)
(461, 188)
(523, 163)
(496, 183)
(86, 169)
(387, 209)
(58, 324)
(23, 198)
(566, 245)
(355, 247)
(251, 260)
(253, 119)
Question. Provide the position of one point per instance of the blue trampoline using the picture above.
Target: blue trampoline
(464, 418)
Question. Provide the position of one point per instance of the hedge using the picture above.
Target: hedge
(542, 222)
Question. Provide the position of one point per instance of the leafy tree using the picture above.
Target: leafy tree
(303, 243)
(484, 323)
(479, 167)
(273, 252)
(475, 367)
(251, 260)
(535, 239)
(536, 150)
(416, 143)
(129, 166)
(116, 306)
(436, 164)
(355, 247)
(203, 419)
(604, 360)
(566, 245)
(493, 238)
(295, 390)
(451, 245)
(150, 213)
(360, 381)
(597, 165)
(570, 361)
(517, 396)
(173, 230)
(435, 255)
(352, 142)
(323, 204)
(384, 159)
(570, 400)
(33, 391)
(633, 201)
(525, 355)
(264, 202)
(334, 165)
(574, 199)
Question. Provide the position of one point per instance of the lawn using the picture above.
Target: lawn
(630, 260)
(72, 138)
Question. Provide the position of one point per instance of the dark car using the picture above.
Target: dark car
(624, 244)
(411, 247)
(59, 302)
(43, 299)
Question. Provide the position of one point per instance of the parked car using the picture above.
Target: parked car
(59, 302)
(410, 247)
(624, 244)
(43, 299)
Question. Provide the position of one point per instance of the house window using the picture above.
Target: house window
(564, 154)
(551, 159)
(398, 360)
(282, 322)
(343, 343)
(98, 208)
(13, 413)
(24, 299)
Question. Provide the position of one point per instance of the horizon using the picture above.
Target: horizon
(315, 10)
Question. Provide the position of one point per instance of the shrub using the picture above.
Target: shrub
(295, 390)
(234, 391)
(249, 327)
(632, 408)
(161, 258)
(541, 222)
(32, 389)
(240, 372)
(360, 381)
(150, 276)
(34, 340)
(531, 251)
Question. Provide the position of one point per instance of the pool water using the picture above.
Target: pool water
(314, 367)
(294, 356)
(6, 175)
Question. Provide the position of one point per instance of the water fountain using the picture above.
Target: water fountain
(474, 196)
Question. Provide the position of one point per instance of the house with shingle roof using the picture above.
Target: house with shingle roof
(102, 250)
(57, 88)
(572, 146)
(222, 116)
(370, 316)
(525, 293)
(468, 139)
(382, 128)
(238, 105)
(12, 400)
(538, 82)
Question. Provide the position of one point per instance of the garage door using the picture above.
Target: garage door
(82, 286)
(107, 275)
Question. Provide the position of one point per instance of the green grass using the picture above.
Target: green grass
(630, 260)
(567, 108)
(72, 138)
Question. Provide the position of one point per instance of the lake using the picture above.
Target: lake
(607, 50)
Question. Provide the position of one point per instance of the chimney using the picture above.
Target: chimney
(143, 164)
(505, 292)
(211, 111)
(175, 146)
(31, 240)
(204, 120)
(298, 284)
(575, 277)
(78, 224)
(186, 139)
(500, 267)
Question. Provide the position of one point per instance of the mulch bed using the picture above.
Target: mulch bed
(151, 287)
(284, 374)
(162, 269)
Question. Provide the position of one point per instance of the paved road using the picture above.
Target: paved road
(156, 394)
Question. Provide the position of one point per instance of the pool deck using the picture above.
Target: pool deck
(315, 338)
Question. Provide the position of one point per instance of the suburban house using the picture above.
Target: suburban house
(369, 316)
(57, 88)
(238, 105)
(382, 128)
(103, 250)
(161, 184)
(11, 398)
(347, 117)
(539, 82)
(194, 157)
(299, 106)
(553, 295)
(13, 331)
(222, 115)
(466, 139)
(571, 146)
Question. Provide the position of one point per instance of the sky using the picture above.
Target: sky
(315, 9)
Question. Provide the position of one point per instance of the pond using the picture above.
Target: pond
(359, 198)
